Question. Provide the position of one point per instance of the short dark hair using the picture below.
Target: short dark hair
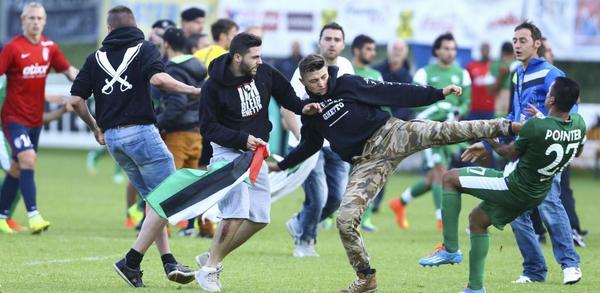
(310, 63)
(175, 39)
(120, 16)
(192, 41)
(360, 41)
(438, 42)
(242, 43)
(507, 48)
(536, 34)
(221, 26)
(192, 13)
(566, 92)
(333, 26)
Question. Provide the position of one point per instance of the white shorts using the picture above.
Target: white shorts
(244, 201)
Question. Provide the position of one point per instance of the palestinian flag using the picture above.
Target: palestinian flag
(188, 193)
(285, 182)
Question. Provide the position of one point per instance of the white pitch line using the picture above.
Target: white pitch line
(69, 260)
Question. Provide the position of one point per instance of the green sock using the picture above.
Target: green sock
(437, 191)
(450, 211)
(480, 243)
(14, 205)
(418, 188)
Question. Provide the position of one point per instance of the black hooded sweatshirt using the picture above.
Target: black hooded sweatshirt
(352, 114)
(120, 99)
(231, 108)
(179, 112)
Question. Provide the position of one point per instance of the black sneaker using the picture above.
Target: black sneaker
(133, 277)
(179, 273)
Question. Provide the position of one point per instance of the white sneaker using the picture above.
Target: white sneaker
(572, 275)
(208, 279)
(293, 227)
(201, 261)
(305, 249)
(523, 280)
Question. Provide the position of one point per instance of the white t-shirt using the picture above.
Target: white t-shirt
(345, 67)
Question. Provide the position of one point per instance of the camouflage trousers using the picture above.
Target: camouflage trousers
(382, 153)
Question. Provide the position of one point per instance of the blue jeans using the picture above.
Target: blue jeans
(555, 218)
(142, 154)
(324, 189)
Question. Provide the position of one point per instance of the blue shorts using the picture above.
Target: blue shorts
(21, 137)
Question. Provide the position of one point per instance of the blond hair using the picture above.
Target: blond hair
(32, 5)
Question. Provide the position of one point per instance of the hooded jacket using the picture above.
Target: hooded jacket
(118, 75)
(231, 108)
(351, 114)
(179, 112)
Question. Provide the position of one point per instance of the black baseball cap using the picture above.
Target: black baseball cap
(192, 13)
(163, 23)
(175, 38)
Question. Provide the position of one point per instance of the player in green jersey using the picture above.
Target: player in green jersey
(440, 74)
(545, 146)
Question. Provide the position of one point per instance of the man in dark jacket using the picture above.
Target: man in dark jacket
(234, 117)
(178, 115)
(373, 142)
(119, 76)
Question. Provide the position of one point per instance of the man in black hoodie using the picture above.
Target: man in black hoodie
(234, 117)
(119, 76)
(373, 142)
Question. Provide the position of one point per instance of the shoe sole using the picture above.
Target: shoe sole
(572, 282)
(122, 276)
(181, 278)
(440, 264)
(39, 231)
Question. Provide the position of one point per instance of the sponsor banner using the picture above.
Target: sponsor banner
(283, 22)
(572, 27)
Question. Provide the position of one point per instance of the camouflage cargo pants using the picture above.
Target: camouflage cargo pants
(393, 142)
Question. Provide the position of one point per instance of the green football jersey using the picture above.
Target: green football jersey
(438, 77)
(368, 72)
(547, 145)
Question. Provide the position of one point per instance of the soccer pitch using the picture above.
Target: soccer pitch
(87, 236)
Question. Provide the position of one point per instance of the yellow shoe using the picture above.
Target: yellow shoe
(37, 224)
(4, 228)
(135, 214)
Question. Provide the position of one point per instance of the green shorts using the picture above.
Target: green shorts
(500, 204)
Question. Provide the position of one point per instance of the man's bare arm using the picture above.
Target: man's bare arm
(507, 151)
(290, 123)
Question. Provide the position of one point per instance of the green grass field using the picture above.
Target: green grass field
(87, 235)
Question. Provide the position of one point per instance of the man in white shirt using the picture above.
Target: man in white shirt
(325, 185)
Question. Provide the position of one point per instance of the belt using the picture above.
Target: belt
(126, 125)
